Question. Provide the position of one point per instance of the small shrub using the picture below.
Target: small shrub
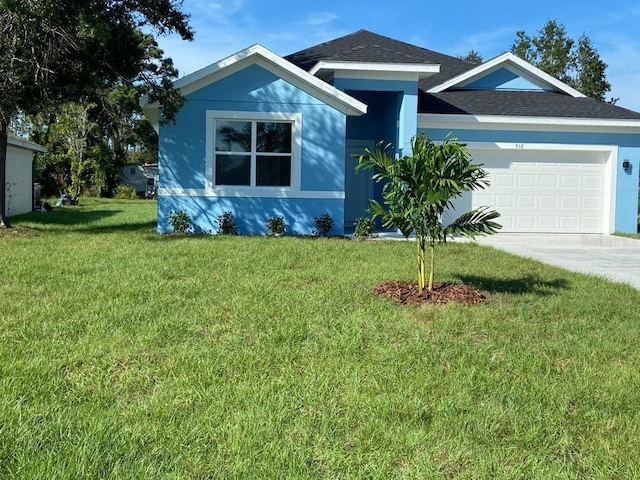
(276, 226)
(125, 192)
(180, 221)
(364, 227)
(324, 224)
(227, 224)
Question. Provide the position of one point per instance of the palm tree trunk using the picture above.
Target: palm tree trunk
(432, 248)
(420, 265)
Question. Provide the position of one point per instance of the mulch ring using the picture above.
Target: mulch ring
(404, 293)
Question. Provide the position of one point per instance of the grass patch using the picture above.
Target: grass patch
(628, 235)
(127, 354)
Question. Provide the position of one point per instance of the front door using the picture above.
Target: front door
(358, 187)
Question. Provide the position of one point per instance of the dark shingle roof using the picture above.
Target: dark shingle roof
(520, 103)
(365, 46)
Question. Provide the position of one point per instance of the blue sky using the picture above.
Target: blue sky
(223, 28)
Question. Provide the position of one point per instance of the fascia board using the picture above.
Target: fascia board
(421, 70)
(504, 60)
(505, 122)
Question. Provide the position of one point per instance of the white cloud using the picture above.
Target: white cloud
(622, 54)
(488, 43)
(320, 18)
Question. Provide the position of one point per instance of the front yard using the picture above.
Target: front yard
(126, 354)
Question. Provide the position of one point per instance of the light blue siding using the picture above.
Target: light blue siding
(182, 155)
(627, 191)
(503, 79)
(629, 149)
(252, 214)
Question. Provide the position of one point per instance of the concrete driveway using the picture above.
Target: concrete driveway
(612, 257)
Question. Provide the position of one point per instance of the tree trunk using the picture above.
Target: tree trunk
(4, 141)
(432, 266)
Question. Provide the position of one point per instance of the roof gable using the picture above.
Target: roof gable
(258, 55)
(504, 78)
(510, 62)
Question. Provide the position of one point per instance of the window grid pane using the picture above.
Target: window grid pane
(233, 136)
(273, 171)
(273, 137)
(253, 153)
(233, 169)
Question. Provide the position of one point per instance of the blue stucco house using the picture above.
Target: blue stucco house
(263, 135)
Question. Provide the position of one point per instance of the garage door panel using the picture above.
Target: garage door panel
(569, 181)
(543, 191)
(548, 181)
(527, 180)
(591, 203)
(548, 201)
(592, 182)
(526, 201)
(569, 203)
(504, 180)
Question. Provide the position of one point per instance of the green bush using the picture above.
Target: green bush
(227, 224)
(180, 221)
(125, 192)
(324, 224)
(364, 227)
(276, 226)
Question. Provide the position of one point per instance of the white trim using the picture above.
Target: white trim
(395, 71)
(611, 152)
(389, 76)
(250, 193)
(504, 122)
(503, 60)
(257, 54)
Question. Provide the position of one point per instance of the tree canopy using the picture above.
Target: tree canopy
(577, 64)
(85, 51)
(472, 56)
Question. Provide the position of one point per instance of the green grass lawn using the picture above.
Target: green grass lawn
(127, 354)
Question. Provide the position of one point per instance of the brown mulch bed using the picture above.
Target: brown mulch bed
(404, 293)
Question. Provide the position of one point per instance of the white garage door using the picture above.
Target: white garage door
(542, 191)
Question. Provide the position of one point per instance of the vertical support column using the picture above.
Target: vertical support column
(626, 210)
(407, 120)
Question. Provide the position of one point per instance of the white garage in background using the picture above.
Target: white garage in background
(546, 188)
(19, 174)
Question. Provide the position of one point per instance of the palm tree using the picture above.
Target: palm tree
(418, 190)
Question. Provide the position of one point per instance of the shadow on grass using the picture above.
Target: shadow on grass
(66, 216)
(527, 284)
(72, 219)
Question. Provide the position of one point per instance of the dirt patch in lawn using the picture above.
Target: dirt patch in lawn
(17, 232)
(404, 293)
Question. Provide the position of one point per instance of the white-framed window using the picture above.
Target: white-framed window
(253, 152)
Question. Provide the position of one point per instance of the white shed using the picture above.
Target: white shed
(19, 174)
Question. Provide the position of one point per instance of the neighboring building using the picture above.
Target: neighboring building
(261, 135)
(19, 174)
(143, 178)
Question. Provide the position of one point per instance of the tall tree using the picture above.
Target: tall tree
(472, 56)
(52, 51)
(577, 64)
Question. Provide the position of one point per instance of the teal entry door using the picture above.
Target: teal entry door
(358, 187)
